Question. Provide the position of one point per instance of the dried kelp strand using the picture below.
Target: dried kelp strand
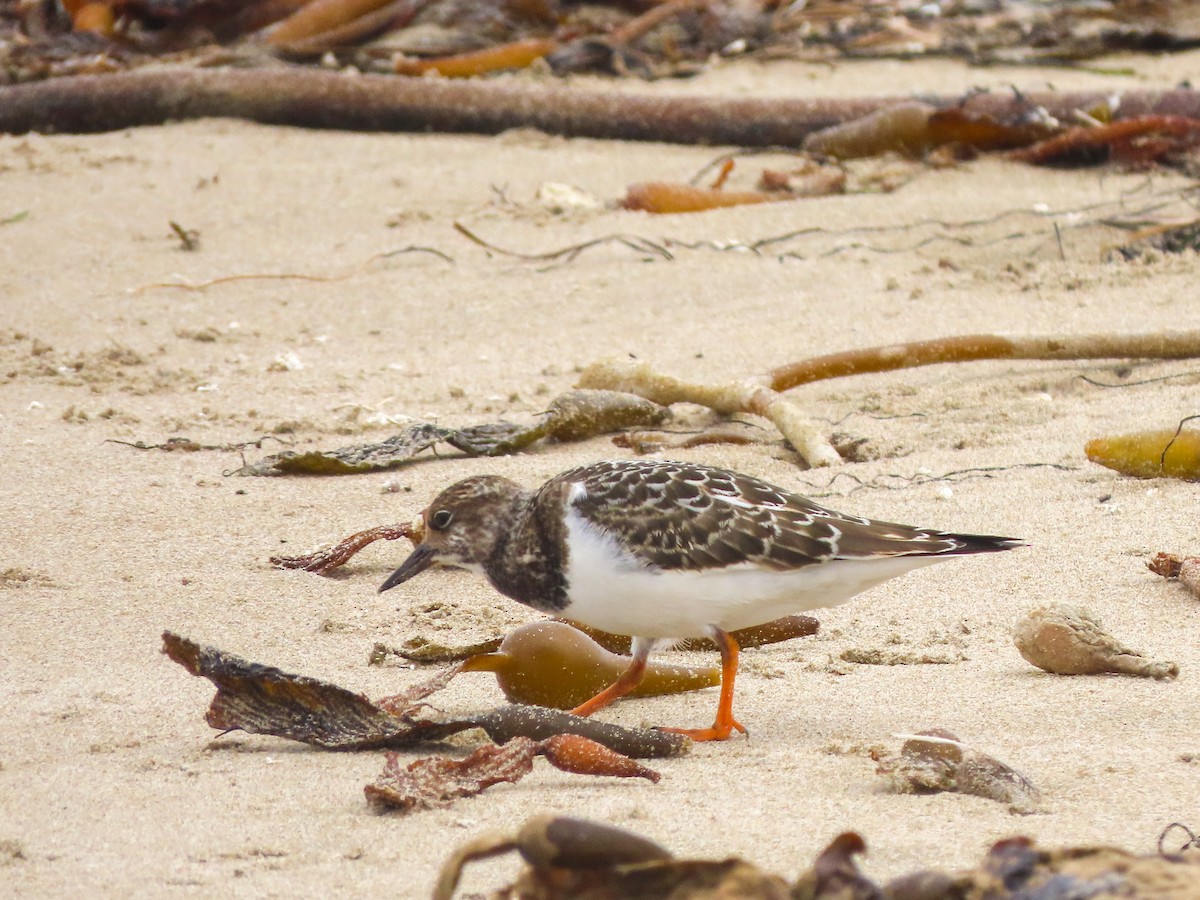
(420, 650)
(437, 781)
(507, 722)
(325, 561)
(1069, 640)
(1173, 453)
(573, 416)
(394, 451)
(552, 664)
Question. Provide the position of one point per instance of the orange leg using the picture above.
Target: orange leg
(725, 724)
(629, 679)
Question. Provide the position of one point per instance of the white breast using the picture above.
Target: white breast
(607, 588)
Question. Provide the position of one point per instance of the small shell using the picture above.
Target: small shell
(1068, 640)
(936, 760)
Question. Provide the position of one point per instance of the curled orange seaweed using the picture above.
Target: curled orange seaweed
(664, 197)
(515, 55)
(319, 17)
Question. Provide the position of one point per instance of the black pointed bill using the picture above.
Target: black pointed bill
(418, 561)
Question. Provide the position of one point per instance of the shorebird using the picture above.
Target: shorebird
(664, 550)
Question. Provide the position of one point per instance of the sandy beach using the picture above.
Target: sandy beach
(111, 783)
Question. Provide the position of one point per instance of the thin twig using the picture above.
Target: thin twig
(569, 253)
(292, 276)
(1123, 384)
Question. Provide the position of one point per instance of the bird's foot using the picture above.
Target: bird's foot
(720, 731)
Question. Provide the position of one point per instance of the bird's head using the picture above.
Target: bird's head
(460, 527)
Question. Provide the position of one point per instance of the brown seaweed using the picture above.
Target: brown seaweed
(437, 781)
(265, 700)
(325, 561)
(1069, 640)
(573, 416)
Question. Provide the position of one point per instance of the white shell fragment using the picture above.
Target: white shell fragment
(564, 198)
(936, 760)
(1069, 640)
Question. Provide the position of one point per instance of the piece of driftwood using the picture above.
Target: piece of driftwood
(322, 99)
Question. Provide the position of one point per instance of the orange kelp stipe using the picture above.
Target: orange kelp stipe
(317, 17)
(515, 55)
(552, 664)
(664, 197)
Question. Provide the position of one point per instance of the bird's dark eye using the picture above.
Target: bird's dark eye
(440, 520)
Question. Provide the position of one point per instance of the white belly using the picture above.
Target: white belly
(607, 589)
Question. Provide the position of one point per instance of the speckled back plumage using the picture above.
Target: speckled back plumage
(681, 516)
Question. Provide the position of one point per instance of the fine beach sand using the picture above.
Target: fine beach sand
(110, 780)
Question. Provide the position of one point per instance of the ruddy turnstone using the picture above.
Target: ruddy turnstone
(666, 550)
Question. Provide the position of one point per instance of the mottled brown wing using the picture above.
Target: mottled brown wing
(683, 516)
